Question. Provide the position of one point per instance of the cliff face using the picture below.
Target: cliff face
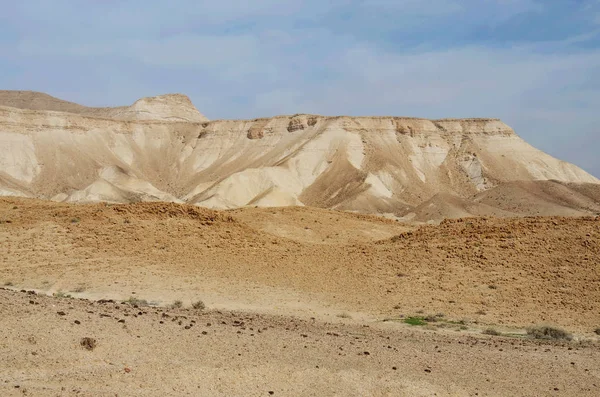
(163, 149)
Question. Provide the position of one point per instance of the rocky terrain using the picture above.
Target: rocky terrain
(300, 301)
(496, 271)
(71, 347)
(163, 149)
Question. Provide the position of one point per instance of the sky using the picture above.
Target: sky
(534, 64)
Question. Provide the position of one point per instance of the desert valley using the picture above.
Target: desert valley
(146, 250)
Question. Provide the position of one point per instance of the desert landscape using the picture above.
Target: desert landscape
(146, 250)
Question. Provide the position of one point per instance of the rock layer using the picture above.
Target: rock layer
(162, 148)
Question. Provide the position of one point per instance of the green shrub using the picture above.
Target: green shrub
(415, 321)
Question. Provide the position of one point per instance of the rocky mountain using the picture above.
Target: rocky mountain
(162, 148)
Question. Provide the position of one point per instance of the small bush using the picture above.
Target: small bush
(74, 220)
(199, 305)
(79, 289)
(546, 332)
(133, 301)
(176, 305)
(61, 294)
(344, 315)
(8, 284)
(491, 331)
(415, 321)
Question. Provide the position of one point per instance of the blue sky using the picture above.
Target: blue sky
(534, 64)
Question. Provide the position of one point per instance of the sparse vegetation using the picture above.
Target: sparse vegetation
(176, 305)
(133, 301)
(344, 315)
(597, 331)
(547, 332)
(434, 318)
(199, 305)
(75, 220)
(491, 331)
(79, 289)
(61, 294)
(8, 284)
(415, 321)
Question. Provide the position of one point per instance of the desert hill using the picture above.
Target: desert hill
(309, 262)
(171, 107)
(163, 149)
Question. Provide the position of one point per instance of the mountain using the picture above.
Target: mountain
(162, 148)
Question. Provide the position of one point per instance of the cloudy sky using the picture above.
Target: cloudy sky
(533, 63)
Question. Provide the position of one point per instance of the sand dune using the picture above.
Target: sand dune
(163, 149)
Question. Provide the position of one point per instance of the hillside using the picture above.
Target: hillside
(163, 149)
(507, 271)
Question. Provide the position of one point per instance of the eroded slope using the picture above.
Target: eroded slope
(382, 165)
(512, 271)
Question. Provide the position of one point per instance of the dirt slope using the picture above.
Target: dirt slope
(521, 198)
(163, 149)
(511, 272)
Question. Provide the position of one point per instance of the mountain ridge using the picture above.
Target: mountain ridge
(162, 149)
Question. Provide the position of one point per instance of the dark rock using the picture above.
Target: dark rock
(88, 343)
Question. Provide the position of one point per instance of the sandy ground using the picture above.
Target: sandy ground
(159, 352)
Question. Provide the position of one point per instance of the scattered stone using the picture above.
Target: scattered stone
(88, 343)
(77, 322)
(61, 313)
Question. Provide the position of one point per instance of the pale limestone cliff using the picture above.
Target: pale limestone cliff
(162, 148)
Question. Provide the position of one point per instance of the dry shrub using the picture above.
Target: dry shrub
(547, 332)
(176, 305)
(491, 331)
(199, 305)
